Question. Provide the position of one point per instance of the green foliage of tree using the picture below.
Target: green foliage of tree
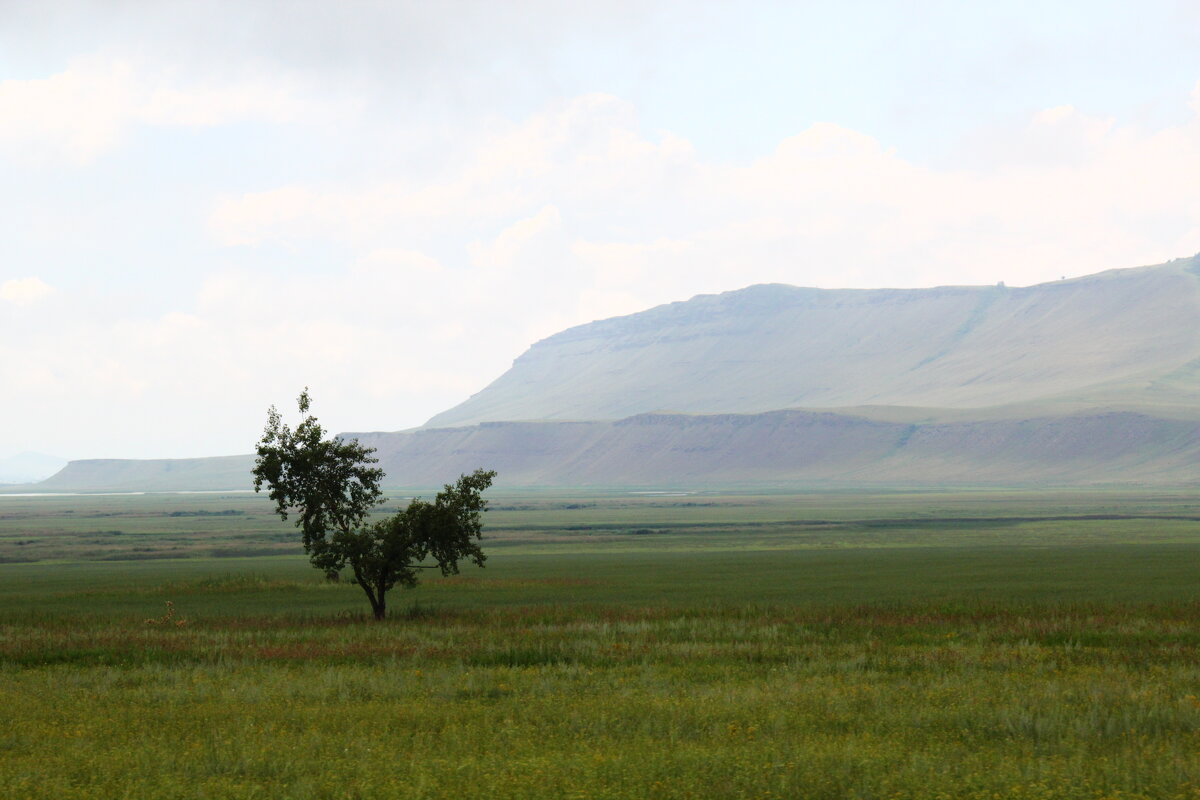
(330, 486)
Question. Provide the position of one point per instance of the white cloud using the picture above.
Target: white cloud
(73, 115)
(201, 105)
(648, 219)
(25, 291)
(584, 151)
(513, 242)
(78, 114)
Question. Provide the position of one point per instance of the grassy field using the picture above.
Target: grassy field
(936, 645)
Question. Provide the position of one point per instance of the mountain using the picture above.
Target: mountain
(1086, 381)
(1125, 338)
(29, 467)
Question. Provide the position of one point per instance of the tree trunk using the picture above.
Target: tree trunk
(378, 605)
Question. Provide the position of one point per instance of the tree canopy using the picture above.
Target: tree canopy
(330, 486)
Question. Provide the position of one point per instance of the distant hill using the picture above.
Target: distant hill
(151, 475)
(1128, 338)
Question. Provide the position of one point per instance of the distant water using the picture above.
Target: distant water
(119, 494)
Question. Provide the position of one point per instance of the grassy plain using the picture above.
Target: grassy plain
(894, 645)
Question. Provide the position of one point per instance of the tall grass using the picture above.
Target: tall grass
(1044, 659)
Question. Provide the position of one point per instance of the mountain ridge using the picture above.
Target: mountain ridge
(1092, 340)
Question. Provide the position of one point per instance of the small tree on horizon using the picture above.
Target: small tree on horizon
(331, 487)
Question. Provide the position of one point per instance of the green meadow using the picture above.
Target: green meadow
(958, 644)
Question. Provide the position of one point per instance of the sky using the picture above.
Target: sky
(205, 207)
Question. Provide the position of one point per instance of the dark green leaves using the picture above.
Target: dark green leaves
(328, 483)
(331, 487)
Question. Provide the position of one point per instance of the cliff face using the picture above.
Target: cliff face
(1127, 337)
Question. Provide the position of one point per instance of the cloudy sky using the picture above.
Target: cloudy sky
(207, 206)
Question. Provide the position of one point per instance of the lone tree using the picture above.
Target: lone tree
(331, 486)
